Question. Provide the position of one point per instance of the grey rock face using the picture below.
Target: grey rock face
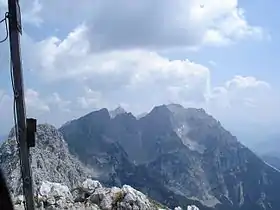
(177, 152)
(50, 161)
(57, 196)
(57, 177)
(118, 111)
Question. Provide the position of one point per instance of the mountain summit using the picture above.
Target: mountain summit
(119, 110)
(176, 155)
(50, 161)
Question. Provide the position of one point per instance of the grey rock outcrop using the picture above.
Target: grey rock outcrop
(119, 110)
(56, 196)
(50, 161)
(57, 177)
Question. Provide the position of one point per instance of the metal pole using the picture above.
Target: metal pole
(14, 34)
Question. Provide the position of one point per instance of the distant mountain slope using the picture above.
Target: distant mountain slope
(184, 154)
(269, 151)
(272, 160)
(268, 147)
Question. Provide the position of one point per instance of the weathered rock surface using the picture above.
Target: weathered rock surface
(92, 196)
(50, 161)
(58, 176)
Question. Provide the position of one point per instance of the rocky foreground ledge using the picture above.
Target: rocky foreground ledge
(91, 195)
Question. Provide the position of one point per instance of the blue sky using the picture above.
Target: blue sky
(222, 57)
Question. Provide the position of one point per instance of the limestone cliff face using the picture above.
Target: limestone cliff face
(182, 153)
(50, 161)
(59, 178)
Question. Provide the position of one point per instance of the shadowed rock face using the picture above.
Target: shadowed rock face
(175, 154)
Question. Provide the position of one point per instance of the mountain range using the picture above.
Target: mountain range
(269, 151)
(184, 152)
(178, 156)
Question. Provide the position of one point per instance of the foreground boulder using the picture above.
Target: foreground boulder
(91, 195)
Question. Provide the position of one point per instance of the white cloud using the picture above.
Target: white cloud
(240, 91)
(132, 76)
(127, 73)
(245, 99)
(108, 53)
(71, 58)
(52, 56)
(35, 103)
(57, 102)
(4, 97)
(232, 27)
(241, 82)
(122, 25)
(147, 24)
(46, 108)
(38, 104)
(30, 10)
(90, 100)
(212, 63)
(247, 91)
(6, 111)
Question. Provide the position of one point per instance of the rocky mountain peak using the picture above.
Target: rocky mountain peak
(50, 160)
(176, 155)
(160, 110)
(160, 115)
(175, 108)
(102, 113)
(47, 135)
(181, 152)
(119, 110)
